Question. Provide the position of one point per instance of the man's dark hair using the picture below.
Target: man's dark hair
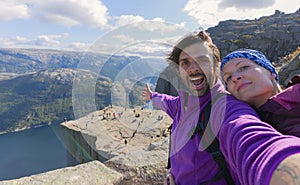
(201, 36)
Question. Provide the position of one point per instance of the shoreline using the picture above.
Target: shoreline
(17, 130)
(28, 127)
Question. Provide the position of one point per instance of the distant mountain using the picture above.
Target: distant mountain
(33, 60)
(276, 35)
(21, 61)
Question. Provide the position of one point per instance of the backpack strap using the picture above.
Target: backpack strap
(169, 155)
(211, 143)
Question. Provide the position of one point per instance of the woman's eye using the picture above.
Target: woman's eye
(228, 79)
(243, 68)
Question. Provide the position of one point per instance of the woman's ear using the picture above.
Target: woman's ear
(273, 76)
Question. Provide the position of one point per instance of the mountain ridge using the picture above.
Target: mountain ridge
(275, 35)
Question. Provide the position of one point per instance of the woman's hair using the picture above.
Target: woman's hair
(191, 39)
(277, 88)
(253, 55)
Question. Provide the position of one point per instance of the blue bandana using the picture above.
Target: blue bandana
(253, 55)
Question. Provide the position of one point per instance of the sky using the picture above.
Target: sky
(116, 25)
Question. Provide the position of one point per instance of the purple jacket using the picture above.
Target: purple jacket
(282, 111)
(251, 147)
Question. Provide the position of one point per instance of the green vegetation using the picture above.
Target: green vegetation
(46, 98)
(40, 99)
(263, 20)
(239, 43)
(290, 56)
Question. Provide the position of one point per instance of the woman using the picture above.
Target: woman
(250, 77)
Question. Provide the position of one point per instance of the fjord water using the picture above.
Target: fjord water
(33, 151)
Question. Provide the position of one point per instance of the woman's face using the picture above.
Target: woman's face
(248, 81)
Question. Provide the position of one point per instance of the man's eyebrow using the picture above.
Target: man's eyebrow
(203, 57)
(183, 59)
(183, 56)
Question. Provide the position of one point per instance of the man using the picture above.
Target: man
(253, 150)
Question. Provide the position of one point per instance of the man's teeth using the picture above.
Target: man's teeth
(195, 78)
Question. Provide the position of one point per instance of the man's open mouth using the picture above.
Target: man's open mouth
(197, 81)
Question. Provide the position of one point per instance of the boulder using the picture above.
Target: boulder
(93, 172)
(289, 70)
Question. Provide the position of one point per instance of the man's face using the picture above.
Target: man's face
(196, 68)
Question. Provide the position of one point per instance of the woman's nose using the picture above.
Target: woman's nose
(236, 76)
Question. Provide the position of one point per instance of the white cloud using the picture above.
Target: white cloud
(63, 12)
(78, 46)
(48, 40)
(144, 49)
(81, 13)
(10, 10)
(41, 41)
(146, 37)
(205, 12)
(209, 12)
(155, 25)
(128, 19)
(21, 39)
(134, 34)
(72, 12)
(123, 38)
(158, 24)
(11, 43)
(247, 4)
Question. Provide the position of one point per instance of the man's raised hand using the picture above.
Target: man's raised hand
(146, 94)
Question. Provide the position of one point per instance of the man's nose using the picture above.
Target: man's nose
(194, 66)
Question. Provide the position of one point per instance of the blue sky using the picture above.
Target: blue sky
(79, 24)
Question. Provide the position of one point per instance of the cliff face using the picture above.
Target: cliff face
(132, 142)
(79, 145)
